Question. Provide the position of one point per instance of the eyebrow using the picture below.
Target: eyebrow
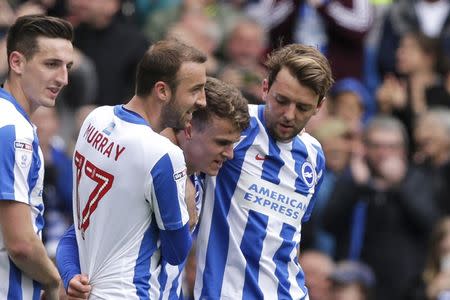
(197, 86)
(285, 98)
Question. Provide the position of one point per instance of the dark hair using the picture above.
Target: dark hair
(223, 101)
(161, 62)
(305, 63)
(23, 34)
(428, 45)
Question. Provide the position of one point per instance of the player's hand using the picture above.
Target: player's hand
(359, 168)
(79, 287)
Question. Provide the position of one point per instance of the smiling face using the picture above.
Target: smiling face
(208, 148)
(289, 106)
(188, 96)
(43, 75)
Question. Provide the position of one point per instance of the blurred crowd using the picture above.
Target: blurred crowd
(381, 225)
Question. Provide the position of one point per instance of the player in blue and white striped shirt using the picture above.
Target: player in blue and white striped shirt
(250, 230)
(207, 142)
(129, 181)
(40, 54)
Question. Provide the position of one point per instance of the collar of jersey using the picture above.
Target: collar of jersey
(129, 116)
(7, 96)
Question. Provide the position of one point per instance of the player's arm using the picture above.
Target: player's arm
(68, 263)
(25, 248)
(190, 203)
(169, 187)
(175, 244)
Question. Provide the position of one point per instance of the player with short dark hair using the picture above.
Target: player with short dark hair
(40, 54)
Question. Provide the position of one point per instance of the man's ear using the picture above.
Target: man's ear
(265, 89)
(163, 91)
(319, 105)
(16, 62)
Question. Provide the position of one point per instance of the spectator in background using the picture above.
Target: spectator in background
(439, 94)
(318, 267)
(113, 45)
(57, 179)
(336, 139)
(244, 48)
(384, 210)
(432, 139)
(351, 102)
(346, 23)
(431, 17)
(352, 280)
(404, 97)
(434, 282)
(278, 17)
(196, 29)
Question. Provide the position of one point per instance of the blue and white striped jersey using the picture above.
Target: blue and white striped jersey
(129, 184)
(21, 179)
(171, 277)
(249, 233)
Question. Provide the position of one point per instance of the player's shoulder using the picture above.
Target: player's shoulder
(157, 143)
(20, 125)
(314, 148)
(309, 140)
(101, 112)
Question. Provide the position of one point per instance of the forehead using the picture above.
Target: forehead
(54, 48)
(221, 128)
(385, 135)
(287, 85)
(191, 73)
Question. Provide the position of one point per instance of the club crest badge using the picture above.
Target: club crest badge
(309, 174)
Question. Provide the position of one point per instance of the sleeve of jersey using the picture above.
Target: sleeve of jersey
(168, 199)
(16, 156)
(320, 171)
(67, 257)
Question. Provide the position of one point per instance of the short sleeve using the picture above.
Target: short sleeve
(168, 197)
(16, 155)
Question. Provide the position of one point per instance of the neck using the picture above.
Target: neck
(148, 109)
(16, 91)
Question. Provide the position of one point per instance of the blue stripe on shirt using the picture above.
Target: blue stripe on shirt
(142, 275)
(173, 295)
(272, 165)
(166, 191)
(33, 174)
(299, 154)
(7, 162)
(15, 282)
(162, 279)
(281, 260)
(219, 232)
(301, 280)
(251, 247)
(36, 290)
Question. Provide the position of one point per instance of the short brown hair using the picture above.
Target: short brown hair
(23, 34)
(161, 62)
(223, 101)
(305, 63)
